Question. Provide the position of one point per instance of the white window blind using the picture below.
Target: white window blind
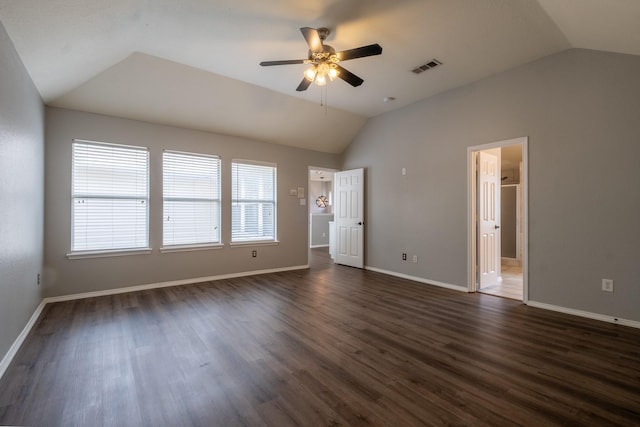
(110, 197)
(191, 191)
(253, 196)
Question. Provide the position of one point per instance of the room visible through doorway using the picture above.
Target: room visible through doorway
(497, 229)
(320, 202)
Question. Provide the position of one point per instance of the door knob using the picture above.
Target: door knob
(497, 226)
(360, 223)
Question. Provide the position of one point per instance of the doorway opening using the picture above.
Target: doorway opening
(497, 228)
(320, 200)
(336, 214)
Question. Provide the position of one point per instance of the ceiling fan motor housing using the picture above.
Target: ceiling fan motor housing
(323, 33)
(328, 54)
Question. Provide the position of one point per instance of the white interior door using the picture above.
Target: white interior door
(488, 219)
(349, 217)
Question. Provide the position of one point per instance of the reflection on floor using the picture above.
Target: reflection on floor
(511, 284)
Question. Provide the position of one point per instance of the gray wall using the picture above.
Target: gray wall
(320, 229)
(21, 194)
(581, 112)
(66, 276)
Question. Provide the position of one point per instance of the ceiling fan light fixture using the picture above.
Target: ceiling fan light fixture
(321, 80)
(310, 74)
(320, 72)
(323, 68)
(333, 73)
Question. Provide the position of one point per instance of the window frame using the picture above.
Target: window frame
(76, 253)
(193, 246)
(274, 201)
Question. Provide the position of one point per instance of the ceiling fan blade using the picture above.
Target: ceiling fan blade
(360, 52)
(285, 62)
(304, 85)
(348, 76)
(313, 39)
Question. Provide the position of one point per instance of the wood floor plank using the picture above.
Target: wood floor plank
(328, 346)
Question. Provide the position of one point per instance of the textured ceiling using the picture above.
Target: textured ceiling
(194, 63)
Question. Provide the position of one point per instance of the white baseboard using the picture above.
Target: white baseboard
(6, 360)
(318, 246)
(418, 279)
(551, 307)
(171, 283)
(586, 314)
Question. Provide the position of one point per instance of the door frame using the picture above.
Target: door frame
(472, 211)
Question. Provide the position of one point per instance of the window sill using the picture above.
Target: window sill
(108, 254)
(255, 243)
(189, 248)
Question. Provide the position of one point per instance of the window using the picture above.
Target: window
(191, 189)
(110, 186)
(253, 193)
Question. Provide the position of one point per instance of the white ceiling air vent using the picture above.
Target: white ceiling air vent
(426, 66)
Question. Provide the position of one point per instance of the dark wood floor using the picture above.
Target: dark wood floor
(331, 346)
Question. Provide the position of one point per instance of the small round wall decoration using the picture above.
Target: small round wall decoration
(322, 202)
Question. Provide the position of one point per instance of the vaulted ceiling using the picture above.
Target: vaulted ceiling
(194, 63)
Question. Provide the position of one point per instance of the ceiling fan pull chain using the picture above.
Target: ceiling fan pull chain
(326, 102)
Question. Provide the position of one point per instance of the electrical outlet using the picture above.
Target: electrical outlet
(404, 256)
(415, 258)
(607, 285)
(254, 253)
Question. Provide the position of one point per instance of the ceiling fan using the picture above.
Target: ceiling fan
(324, 60)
